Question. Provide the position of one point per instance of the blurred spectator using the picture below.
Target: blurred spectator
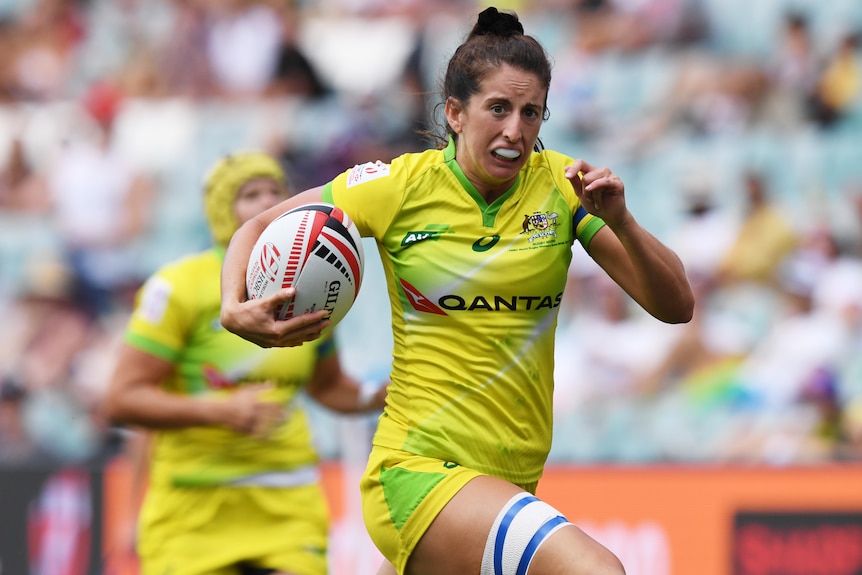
(575, 92)
(590, 371)
(831, 386)
(43, 342)
(243, 44)
(764, 239)
(792, 71)
(182, 61)
(102, 205)
(777, 396)
(850, 447)
(632, 25)
(706, 231)
(710, 95)
(8, 41)
(294, 73)
(802, 340)
(22, 187)
(296, 76)
(839, 272)
(16, 445)
(40, 49)
(837, 87)
(821, 391)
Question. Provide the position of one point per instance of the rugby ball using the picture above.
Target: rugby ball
(315, 248)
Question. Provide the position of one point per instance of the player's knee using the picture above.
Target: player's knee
(608, 564)
(574, 552)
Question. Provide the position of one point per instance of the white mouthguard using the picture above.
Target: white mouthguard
(507, 153)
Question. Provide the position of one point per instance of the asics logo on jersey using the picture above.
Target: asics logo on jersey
(485, 243)
(431, 232)
(454, 302)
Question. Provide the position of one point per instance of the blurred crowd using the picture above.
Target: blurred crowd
(735, 126)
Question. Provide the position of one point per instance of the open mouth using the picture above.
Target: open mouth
(506, 154)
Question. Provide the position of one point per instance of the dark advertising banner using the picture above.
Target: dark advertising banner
(797, 543)
(49, 521)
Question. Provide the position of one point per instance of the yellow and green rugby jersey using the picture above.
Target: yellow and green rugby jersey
(475, 293)
(176, 318)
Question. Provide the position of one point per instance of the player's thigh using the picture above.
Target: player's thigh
(457, 539)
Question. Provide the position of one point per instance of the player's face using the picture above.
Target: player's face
(255, 196)
(498, 128)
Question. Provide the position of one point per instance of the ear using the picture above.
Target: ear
(453, 114)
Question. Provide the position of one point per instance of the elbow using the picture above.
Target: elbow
(674, 304)
(681, 310)
(680, 317)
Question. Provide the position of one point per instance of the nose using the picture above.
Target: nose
(512, 130)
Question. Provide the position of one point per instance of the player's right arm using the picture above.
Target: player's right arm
(255, 320)
(135, 397)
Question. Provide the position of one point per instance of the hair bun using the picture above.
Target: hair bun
(492, 21)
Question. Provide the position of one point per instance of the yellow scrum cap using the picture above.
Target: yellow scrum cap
(223, 182)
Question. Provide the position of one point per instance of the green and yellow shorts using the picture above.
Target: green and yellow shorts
(402, 493)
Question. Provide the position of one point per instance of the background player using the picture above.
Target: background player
(233, 486)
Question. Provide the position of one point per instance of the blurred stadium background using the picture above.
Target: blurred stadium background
(727, 446)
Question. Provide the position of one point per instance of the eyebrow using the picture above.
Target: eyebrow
(503, 99)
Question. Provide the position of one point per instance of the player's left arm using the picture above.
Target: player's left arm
(650, 272)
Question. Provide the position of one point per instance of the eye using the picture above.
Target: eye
(498, 109)
(531, 113)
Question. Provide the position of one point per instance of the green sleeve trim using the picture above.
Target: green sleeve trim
(589, 231)
(154, 348)
(326, 193)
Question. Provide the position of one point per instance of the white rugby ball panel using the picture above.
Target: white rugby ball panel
(317, 249)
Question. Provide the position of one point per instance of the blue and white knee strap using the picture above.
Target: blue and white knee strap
(524, 523)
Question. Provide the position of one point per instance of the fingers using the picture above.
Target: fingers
(254, 414)
(255, 321)
(581, 166)
(268, 417)
(575, 175)
(279, 298)
(298, 330)
(592, 184)
(596, 189)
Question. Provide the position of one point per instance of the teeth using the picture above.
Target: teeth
(507, 153)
